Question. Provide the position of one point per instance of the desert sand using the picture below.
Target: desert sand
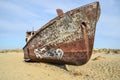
(101, 66)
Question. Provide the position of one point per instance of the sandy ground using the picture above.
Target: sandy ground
(101, 67)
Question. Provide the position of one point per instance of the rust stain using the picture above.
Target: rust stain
(67, 39)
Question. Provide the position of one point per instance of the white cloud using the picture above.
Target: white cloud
(15, 9)
(18, 16)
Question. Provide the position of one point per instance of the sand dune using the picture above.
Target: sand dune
(101, 67)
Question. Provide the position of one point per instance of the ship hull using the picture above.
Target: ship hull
(67, 39)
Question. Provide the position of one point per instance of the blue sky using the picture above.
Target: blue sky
(18, 16)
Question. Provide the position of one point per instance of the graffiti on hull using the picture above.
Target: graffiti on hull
(48, 53)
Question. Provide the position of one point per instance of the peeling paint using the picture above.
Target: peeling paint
(68, 38)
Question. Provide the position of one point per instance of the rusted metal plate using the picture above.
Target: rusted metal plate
(67, 39)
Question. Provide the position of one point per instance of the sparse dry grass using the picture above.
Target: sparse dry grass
(101, 66)
(104, 50)
(107, 51)
(11, 51)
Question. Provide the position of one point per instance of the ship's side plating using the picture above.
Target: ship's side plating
(68, 38)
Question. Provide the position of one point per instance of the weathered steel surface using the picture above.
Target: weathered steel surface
(67, 39)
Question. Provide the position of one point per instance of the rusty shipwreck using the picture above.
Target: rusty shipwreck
(66, 39)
